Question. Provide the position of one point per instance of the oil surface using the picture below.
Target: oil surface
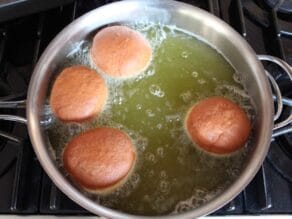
(171, 175)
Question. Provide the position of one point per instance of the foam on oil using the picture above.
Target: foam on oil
(171, 175)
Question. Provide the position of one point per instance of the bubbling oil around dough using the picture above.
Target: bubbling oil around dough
(171, 175)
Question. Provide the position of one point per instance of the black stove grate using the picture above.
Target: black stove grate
(26, 189)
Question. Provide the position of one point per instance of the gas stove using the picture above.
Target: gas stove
(25, 189)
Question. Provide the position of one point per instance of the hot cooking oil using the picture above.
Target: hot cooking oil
(171, 175)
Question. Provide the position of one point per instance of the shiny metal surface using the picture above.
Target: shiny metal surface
(13, 104)
(279, 127)
(282, 131)
(206, 26)
(287, 101)
(10, 137)
(278, 96)
(13, 118)
(284, 65)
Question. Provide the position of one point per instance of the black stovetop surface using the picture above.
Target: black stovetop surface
(26, 189)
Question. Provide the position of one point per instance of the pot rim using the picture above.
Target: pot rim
(39, 145)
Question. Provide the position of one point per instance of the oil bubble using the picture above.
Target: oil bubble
(160, 151)
(164, 186)
(163, 174)
(150, 173)
(139, 106)
(159, 126)
(185, 54)
(155, 90)
(173, 118)
(150, 113)
(150, 72)
(150, 157)
(195, 74)
(187, 96)
(202, 81)
(199, 197)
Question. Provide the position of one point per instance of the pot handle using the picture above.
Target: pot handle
(13, 105)
(284, 126)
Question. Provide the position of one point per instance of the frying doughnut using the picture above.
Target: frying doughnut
(120, 51)
(100, 159)
(218, 125)
(78, 94)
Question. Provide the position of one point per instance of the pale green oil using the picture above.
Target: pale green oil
(171, 174)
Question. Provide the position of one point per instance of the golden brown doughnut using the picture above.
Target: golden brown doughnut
(120, 51)
(78, 94)
(218, 125)
(100, 159)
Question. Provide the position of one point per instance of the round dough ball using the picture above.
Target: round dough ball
(100, 159)
(120, 51)
(78, 94)
(218, 125)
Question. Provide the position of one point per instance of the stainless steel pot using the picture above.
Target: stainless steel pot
(206, 26)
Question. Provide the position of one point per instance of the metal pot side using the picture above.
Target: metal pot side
(208, 27)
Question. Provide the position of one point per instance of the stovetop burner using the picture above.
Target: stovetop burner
(285, 141)
(286, 145)
(5, 129)
(284, 6)
(281, 159)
